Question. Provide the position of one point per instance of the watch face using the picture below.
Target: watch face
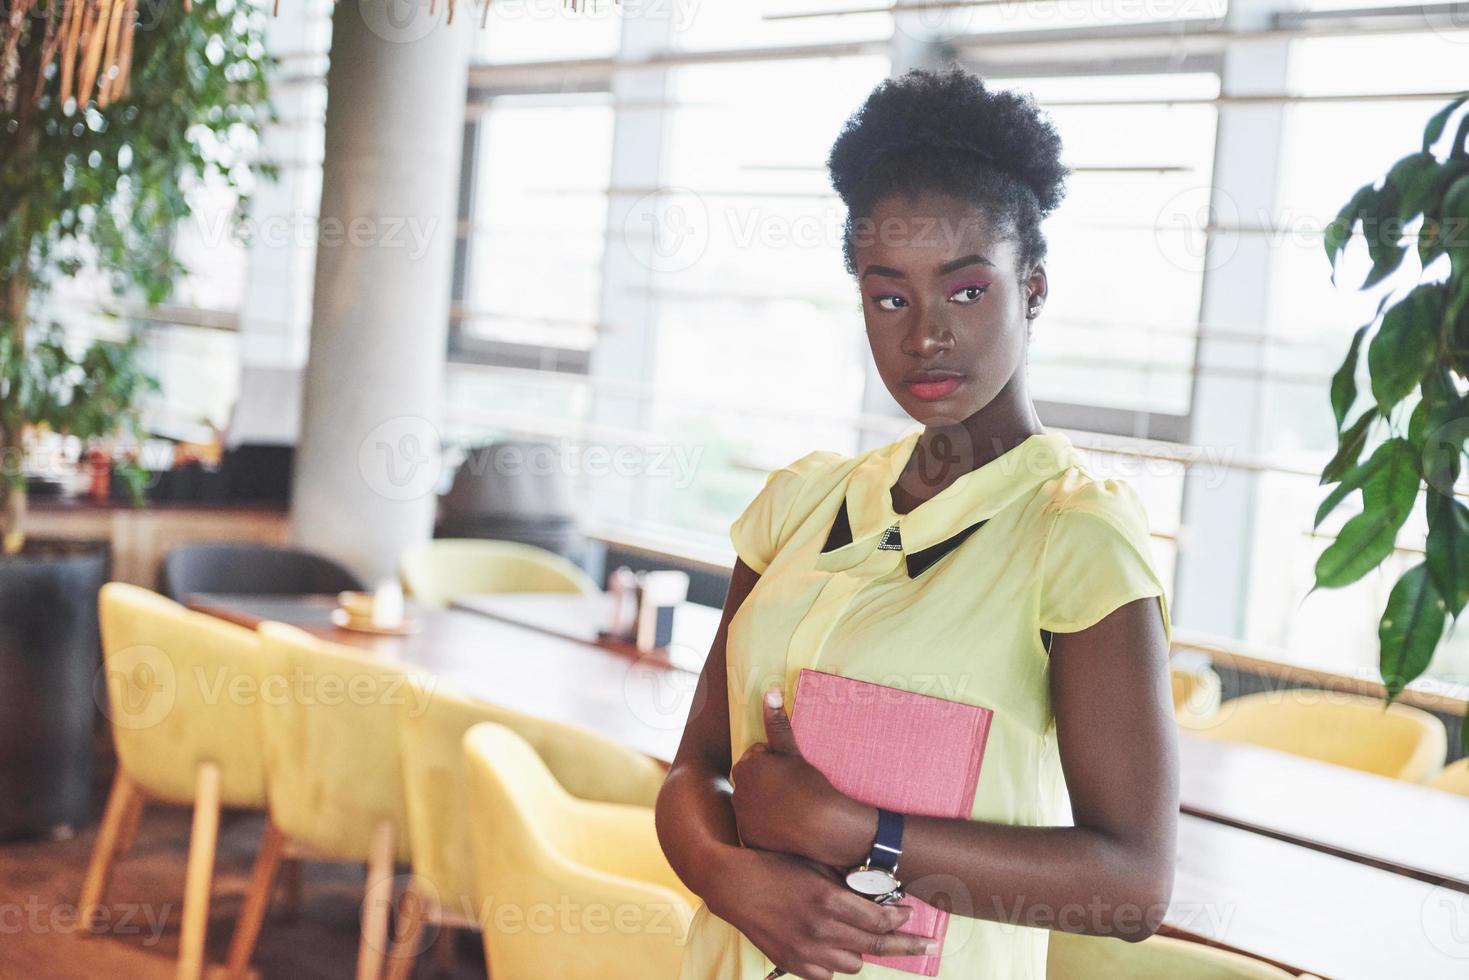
(871, 881)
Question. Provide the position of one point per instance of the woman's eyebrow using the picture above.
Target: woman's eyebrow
(947, 267)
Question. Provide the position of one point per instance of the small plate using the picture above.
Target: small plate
(341, 618)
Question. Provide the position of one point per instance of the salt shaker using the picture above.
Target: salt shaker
(622, 586)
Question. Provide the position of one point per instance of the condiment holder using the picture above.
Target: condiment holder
(380, 611)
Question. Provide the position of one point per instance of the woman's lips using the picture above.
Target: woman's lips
(932, 391)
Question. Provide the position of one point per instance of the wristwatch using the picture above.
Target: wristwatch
(877, 877)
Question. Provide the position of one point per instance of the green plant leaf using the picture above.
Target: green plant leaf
(1364, 542)
(1410, 629)
(1383, 231)
(1389, 490)
(1406, 346)
(1349, 447)
(1339, 231)
(1454, 234)
(1400, 486)
(1344, 381)
(1448, 549)
(1460, 146)
(1435, 127)
(1444, 427)
(1414, 177)
(1430, 237)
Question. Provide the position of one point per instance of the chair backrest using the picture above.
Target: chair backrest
(1453, 778)
(1078, 957)
(180, 692)
(439, 571)
(431, 728)
(332, 762)
(250, 569)
(1396, 740)
(537, 847)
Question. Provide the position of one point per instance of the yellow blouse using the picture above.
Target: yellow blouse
(952, 603)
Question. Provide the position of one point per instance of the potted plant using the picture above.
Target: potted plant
(94, 177)
(1417, 344)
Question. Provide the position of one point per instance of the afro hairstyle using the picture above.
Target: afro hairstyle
(941, 131)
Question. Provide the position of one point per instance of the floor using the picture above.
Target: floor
(40, 882)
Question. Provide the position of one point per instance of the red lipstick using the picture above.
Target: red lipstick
(931, 386)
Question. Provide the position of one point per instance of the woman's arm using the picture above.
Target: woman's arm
(795, 912)
(1110, 874)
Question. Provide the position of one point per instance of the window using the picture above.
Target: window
(535, 239)
(1126, 263)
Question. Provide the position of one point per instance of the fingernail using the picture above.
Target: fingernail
(930, 947)
(773, 697)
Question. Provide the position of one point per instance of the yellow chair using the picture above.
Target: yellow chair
(1453, 778)
(1351, 730)
(182, 737)
(1077, 957)
(1196, 694)
(431, 727)
(568, 888)
(439, 571)
(334, 777)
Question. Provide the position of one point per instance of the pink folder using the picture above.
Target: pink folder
(914, 753)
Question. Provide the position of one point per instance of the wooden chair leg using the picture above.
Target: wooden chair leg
(200, 873)
(119, 802)
(413, 912)
(376, 902)
(290, 887)
(257, 899)
(446, 948)
(131, 819)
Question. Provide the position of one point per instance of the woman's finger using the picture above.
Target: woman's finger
(867, 915)
(778, 731)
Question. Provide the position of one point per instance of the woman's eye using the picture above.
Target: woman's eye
(968, 294)
(883, 301)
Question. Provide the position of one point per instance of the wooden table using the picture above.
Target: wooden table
(1309, 911)
(1402, 827)
(1387, 823)
(641, 703)
(578, 617)
(1297, 906)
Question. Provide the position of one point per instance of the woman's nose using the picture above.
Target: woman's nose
(930, 335)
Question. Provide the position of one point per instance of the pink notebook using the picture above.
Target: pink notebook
(914, 753)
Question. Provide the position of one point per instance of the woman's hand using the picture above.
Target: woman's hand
(783, 803)
(799, 914)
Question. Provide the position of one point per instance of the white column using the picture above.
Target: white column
(368, 460)
(1216, 541)
(639, 227)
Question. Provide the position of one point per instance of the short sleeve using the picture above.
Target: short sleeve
(759, 532)
(1098, 556)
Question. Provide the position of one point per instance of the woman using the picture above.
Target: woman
(1053, 616)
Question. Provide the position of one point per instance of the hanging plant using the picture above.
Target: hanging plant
(1416, 342)
(102, 188)
(87, 46)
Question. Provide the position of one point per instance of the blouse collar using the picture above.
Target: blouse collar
(971, 499)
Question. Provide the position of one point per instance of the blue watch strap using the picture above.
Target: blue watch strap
(887, 846)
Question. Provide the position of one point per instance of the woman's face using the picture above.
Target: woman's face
(945, 304)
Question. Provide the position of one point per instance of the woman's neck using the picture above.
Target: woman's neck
(944, 453)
